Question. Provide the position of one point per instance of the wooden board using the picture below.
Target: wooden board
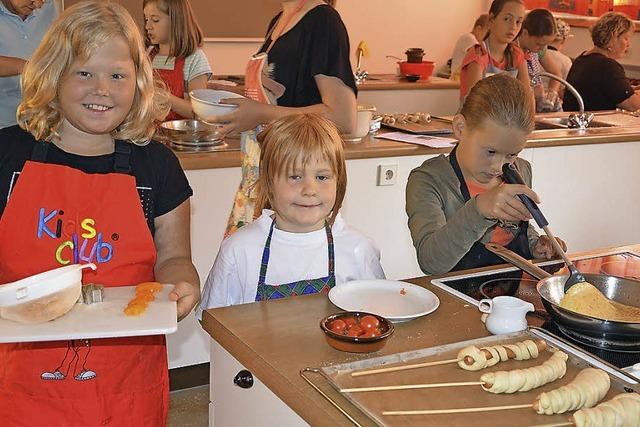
(220, 18)
(100, 320)
(373, 403)
(435, 127)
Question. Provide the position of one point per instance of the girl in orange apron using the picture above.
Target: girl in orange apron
(60, 214)
(261, 85)
(163, 20)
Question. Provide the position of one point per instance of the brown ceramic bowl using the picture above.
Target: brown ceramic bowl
(356, 344)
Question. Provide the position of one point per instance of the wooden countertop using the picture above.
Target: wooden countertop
(393, 82)
(276, 339)
(372, 147)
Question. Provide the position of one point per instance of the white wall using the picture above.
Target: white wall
(388, 27)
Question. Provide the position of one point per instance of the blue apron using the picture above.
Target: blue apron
(302, 287)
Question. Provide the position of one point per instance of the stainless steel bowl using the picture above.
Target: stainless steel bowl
(189, 132)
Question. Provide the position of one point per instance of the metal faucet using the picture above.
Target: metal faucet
(360, 75)
(580, 120)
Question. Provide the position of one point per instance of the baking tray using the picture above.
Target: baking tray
(105, 319)
(437, 126)
(372, 404)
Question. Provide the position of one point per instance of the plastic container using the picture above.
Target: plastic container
(44, 296)
(206, 103)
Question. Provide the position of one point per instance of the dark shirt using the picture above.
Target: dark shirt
(160, 181)
(317, 44)
(600, 81)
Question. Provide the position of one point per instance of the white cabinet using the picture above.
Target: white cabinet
(233, 406)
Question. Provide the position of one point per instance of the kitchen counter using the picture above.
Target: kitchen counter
(274, 340)
(372, 147)
(394, 82)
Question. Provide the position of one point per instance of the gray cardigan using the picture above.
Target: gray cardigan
(443, 226)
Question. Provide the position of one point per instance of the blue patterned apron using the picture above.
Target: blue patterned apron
(302, 287)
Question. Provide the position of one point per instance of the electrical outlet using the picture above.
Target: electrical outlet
(388, 174)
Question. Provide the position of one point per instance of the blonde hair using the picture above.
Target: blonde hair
(609, 26)
(74, 36)
(186, 35)
(294, 141)
(501, 98)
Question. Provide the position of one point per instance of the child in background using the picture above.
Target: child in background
(457, 204)
(556, 47)
(82, 159)
(555, 54)
(466, 41)
(300, 244)
(497, 53)
(538, 30)
(174, 40)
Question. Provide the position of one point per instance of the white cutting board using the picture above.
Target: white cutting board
(100, 320)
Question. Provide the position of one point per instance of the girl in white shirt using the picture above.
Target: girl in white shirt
(299, 244)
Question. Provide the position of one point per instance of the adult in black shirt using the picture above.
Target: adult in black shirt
(597, 75)
(302, 67)
(308, 54)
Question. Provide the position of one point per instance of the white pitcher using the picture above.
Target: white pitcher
(506, 314)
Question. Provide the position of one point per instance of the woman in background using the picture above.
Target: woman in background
(597, 75)
(302, 67)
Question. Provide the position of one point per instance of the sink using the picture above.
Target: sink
(563, 123)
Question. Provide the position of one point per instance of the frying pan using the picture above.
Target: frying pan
(551, 290)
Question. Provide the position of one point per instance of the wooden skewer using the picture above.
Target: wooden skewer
(408, 386)
(402, 368)
(457, 411)
(568, 423)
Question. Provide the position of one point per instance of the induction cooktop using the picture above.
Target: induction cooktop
(512, 281)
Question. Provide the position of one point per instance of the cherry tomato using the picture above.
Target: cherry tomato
(369, 323)
(355, 331)
(338, 326)
(350, 321)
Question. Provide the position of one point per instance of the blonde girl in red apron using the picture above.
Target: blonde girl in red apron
(62, 215)
(261, 86)
(173, 34)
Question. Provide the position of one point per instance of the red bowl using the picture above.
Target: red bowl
(424, 68)
(356, 344)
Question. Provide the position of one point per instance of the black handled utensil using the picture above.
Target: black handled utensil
(510, 175)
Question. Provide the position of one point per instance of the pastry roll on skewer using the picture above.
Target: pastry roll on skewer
(622, 410)
(586, 389)
(472, 358)
(519, 380)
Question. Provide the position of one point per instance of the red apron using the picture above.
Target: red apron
(58, 215)
(174, 79)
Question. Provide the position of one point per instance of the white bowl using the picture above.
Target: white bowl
(206, 103)
(363, 121)
(44, 296)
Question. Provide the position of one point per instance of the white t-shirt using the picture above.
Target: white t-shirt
(233, 279)
(459, 51)
(195, 65)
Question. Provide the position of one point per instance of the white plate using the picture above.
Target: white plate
(100, 320)
(394, 300)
